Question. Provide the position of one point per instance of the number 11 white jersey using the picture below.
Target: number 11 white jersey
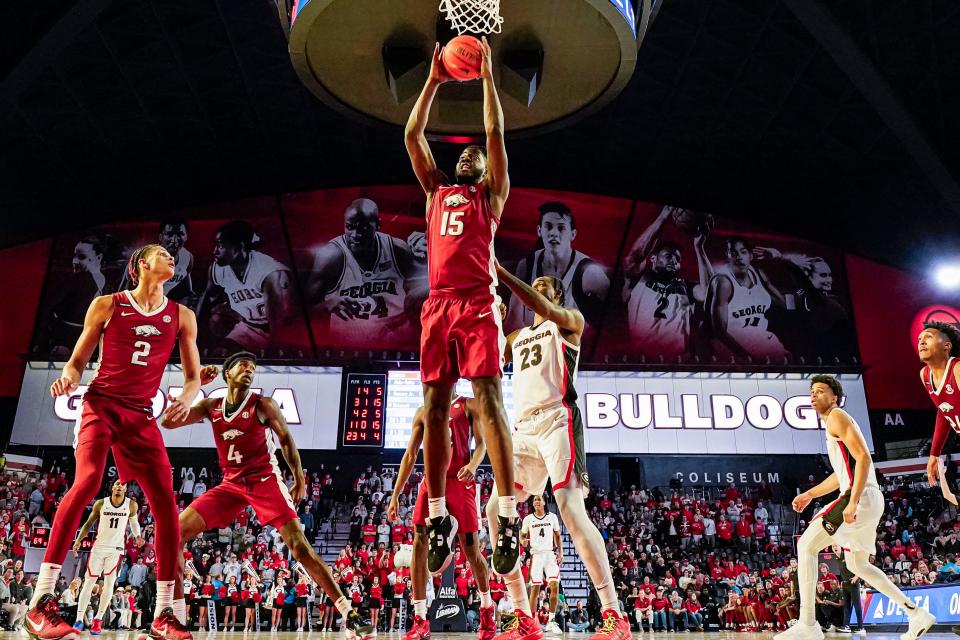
(112, 526)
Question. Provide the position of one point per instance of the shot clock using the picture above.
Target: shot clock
(365, 399)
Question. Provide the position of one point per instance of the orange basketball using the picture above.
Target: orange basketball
(461, 58)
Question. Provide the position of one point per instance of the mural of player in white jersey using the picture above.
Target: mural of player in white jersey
(369, 284)
(660, 303)
(256, 287)
(174, 232)
(739, 300)
(585, 281)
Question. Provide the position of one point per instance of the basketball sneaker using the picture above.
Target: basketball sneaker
(920, 622)
(43, 622)
(553, 628)
(614, 626)
(166, 626)
(421, 629)
(96, 627)
(78, 625)
(488, 623)
(440, 534)
(359, 629)
(506, 552)
(801, 632)
(520, 627)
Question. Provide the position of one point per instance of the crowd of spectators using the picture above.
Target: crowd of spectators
(682, 559)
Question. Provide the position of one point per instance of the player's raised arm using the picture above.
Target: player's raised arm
(569, 319)
(424, 166)
(98, 313)
(406, 464)
(704, 266)
(85, 529)
(197, 413)
(643, 246)
(718, 299)
(498, 179)
(270, 415)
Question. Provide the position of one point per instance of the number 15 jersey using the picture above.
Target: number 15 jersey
(544, 369)
(461, 224)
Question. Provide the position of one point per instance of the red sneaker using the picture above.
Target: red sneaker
(488, 623)
(419, 631)
(43, 622)
(167, 627)
(614, 627)
(521, 627)
(96, 627)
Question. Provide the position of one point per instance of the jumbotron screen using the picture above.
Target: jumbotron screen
(405, 394)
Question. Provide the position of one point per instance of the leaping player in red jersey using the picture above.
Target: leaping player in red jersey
(462, 335)
(938, 346)
(244, 424)
(464, 506)
(136, 331)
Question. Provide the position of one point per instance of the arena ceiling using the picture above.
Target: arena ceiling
(830, 120)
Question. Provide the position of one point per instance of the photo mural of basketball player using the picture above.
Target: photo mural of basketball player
(362, 257)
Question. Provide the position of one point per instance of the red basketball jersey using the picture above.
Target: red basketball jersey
(244, 445)
(460, 229)
(946, 397)
(460, 433)
(134, 349)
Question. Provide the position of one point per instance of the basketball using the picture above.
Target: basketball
(461, 58)
(692, 222)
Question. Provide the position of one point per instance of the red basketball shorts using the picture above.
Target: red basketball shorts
(266, 493)
(463, 503)
(462, 337)
(131, 434)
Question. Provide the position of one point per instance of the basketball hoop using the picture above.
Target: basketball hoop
(473, 16)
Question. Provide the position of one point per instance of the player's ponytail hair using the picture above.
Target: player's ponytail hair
(239, 233)
(133, 265)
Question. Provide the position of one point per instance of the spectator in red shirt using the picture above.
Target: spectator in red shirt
(724, 531)
(661, 621)
(828, 579)
(642, 610)
(745, 534)
(693, 618)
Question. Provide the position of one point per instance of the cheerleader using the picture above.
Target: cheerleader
(207, 591)
(230, 603)
(376, 601)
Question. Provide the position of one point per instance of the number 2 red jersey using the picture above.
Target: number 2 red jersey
(134, 349)
(461, 224)
(460, 433)
(245, 447)
(946, 398)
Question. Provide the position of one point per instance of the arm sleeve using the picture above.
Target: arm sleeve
(940, 431)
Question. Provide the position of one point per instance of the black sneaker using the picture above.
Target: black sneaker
(440, 535)
(506, 552)
(844, 629)
(358, 628)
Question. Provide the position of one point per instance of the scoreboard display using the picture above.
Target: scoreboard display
(39, 537)
(364, 409)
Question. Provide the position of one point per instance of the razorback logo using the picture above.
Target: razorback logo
(146, 330)
(946, 407)
(231, 434)
(456, 200)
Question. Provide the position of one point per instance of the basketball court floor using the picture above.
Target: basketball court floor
(287, 635)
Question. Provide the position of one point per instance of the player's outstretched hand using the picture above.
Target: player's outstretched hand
(801, 501)
(392, 510)
(466, 475)
(486, 59)
(298, 491)
(438, 73)
(62, 386)
(932, 463)
(766, 253)
(417, 241)
(177, 410)
(76, 549)
(208, 374)
(850, 513)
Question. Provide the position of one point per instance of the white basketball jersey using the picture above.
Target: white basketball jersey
(844, 465)
(525, 315)
(375, 297)
(181, 272)
(544, 369)
(541, 531)
(747, 317)
(658, 313)
(112, 526)
(246, 293)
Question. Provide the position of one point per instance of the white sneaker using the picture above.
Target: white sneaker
(801, 632)
(553, 628)
(861, 631)
(920, 622)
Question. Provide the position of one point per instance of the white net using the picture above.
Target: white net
(473, 16)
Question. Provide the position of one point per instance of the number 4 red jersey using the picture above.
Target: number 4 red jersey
(134, 349)
(461, 224)
(245, 447)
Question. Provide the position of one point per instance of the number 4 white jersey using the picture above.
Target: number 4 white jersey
(541, 531)
(544, 369)
(112, 526)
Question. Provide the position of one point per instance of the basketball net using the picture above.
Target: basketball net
(473, 16)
